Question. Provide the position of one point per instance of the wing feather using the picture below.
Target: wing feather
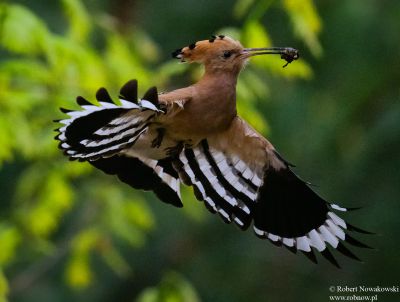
(239, 175)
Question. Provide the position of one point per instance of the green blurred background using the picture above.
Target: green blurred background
(70, 233)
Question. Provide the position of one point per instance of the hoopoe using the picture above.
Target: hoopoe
(194, 136)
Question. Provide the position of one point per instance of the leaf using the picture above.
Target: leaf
(85, 241)
(169, 69)
(79, 20)
(250, 88)
(242, 7)
(259, 9)
(192, 208)
(26, 69)
(145, 46)
(138, 213)
(79, 66)
(255, 35)
(4, 287)
(116, 261)
(10, 239)
(172, 288)
(254, 118)
(306, 23)
(6, 140)
(21, 31)
(78, 273)
(123, 64)
(43, 197)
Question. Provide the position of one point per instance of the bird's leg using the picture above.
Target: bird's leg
(156, 143)
(175, 150)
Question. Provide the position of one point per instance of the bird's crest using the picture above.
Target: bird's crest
(200, 51)
(224, 53)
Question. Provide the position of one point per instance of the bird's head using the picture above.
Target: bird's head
(222, 53)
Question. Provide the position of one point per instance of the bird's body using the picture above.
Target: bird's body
(197, 120)
(193, 136)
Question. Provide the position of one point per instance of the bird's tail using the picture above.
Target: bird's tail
(102, 131)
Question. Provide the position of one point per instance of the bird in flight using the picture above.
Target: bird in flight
(193, 136)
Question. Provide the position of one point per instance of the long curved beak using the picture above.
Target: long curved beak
(287, 53)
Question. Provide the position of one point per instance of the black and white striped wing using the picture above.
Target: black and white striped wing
(225, 184)
(145, 174)
(103, 134)
(282, 207)
(102, 131)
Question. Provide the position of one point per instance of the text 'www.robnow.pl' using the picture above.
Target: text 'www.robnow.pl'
(360, 293)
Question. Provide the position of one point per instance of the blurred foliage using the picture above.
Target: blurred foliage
(70, 233)
(172, 288)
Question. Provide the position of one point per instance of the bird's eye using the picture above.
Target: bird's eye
(227, 54)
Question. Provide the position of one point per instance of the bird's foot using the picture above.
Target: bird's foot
(175, 150)
(156, 143)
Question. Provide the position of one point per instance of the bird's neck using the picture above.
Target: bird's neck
(219, 80)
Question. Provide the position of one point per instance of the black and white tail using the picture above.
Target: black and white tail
(102, 135)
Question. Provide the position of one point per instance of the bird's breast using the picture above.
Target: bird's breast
(203, 117)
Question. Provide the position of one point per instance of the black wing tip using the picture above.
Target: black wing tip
(224, 219)
(311, 256)
(102, 95)
(292, 249)
(277, 243)
(358, 230)
(345, 251)
(334, 207)
(209, 207)
(178, 166)
(354, 208)
(129, 91)
(82, 101)
(328, 256)
(198, 194)
(355, 242)
(167, 195)
(151, 95)
(64, 110)
(263, 236)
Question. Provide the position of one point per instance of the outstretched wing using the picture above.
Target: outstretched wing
(239, 175)
(101, 131)
(107, 136)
